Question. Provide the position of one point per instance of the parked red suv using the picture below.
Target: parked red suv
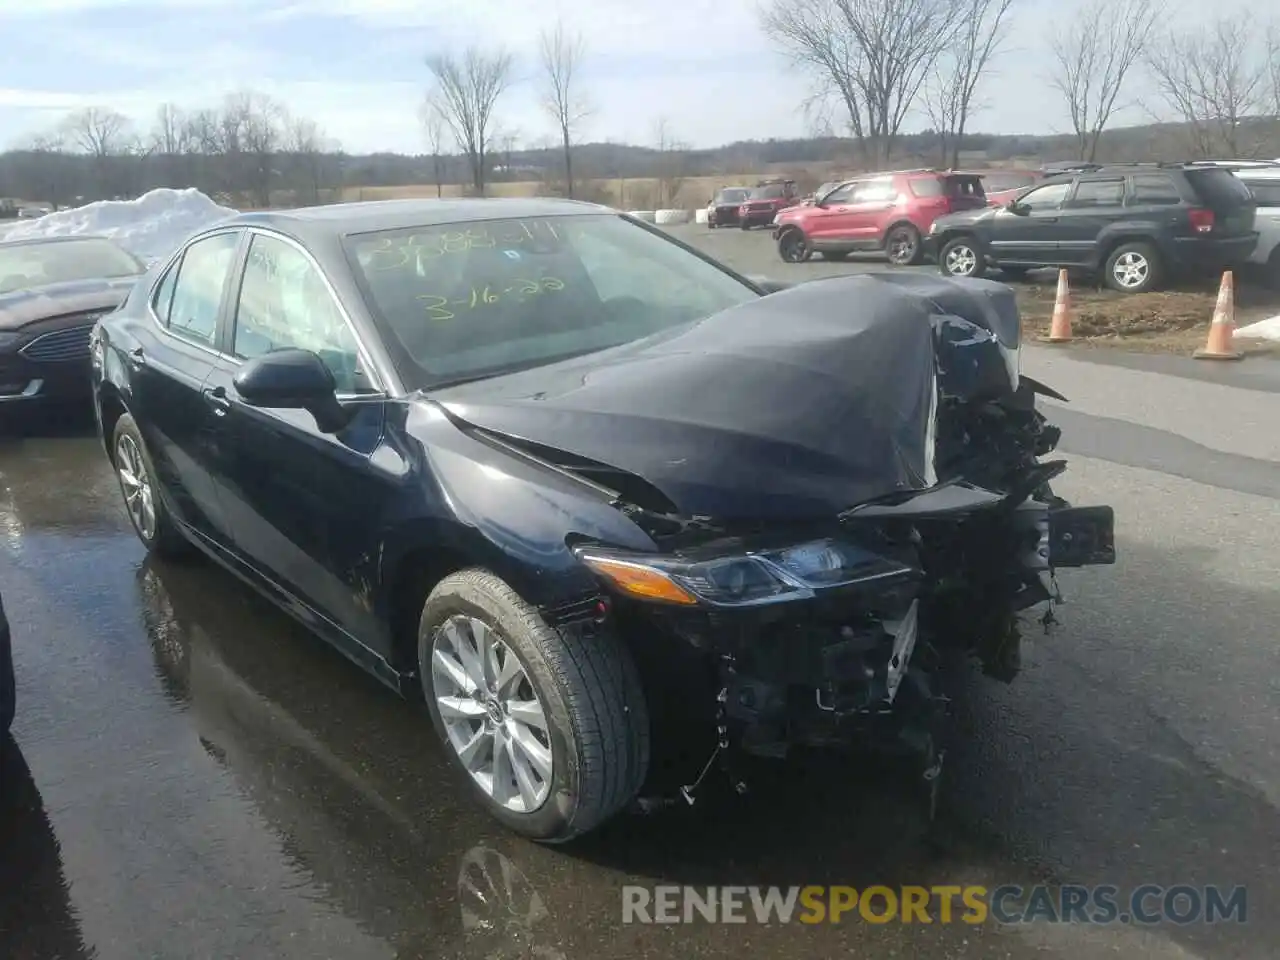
(885, 212)
(1002, 186)
(766, 201)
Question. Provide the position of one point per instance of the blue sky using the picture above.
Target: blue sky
(356, 66)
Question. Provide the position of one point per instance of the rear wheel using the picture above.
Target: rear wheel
(1132, 268)
(793, 247)
(1271, 272)
(902, 245)
(142, 501)
(548, 726)
(961, 257)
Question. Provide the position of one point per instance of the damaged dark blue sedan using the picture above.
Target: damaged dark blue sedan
(621, 517)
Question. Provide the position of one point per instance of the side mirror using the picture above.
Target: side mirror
(293, 380)
(1013, 206)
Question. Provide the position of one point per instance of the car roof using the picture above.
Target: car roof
(1258, 173)
(342, 219)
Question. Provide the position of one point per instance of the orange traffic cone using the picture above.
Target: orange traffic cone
(1060, 326)
(1222, 331)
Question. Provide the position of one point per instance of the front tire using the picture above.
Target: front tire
(548, 726)
(961, 257)
(793, 247)
(143, 503)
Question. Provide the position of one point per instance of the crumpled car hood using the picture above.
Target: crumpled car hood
(794, 406)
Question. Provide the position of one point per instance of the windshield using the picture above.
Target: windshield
(732, 196)
(25, 265)
(467, 300)
(769, 193)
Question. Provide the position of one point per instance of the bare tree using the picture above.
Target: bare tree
(1214, 80)
(671, 162)
(1093, 56)
(467, 89)
(1273, 58)
(950, 96)
(98, 131)
(872, 55)
(562, 55)
(433, 126)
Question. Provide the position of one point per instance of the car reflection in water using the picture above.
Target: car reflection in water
(37, 921)
(362, 798)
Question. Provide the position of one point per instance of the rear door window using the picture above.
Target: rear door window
(874, 191)
(1219, 188)
(1154, 189)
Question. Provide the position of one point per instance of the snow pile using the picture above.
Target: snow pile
(151, 227)
(1268, 329)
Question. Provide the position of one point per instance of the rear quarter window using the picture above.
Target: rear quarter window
(963, 187)
(1219, 187)
(1265, 192)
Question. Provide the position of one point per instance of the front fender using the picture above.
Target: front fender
(503, 512)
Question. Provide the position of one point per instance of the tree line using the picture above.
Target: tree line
(872, 64)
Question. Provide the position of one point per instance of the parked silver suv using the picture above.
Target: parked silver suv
(1264, 183)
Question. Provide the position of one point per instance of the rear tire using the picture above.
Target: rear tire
(902, 246)
(579, 682)
(137, 479)
(1133, 268)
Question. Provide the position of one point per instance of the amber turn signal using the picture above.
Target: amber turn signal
(640, 581)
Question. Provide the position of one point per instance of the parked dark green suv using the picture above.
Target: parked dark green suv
(1138, 225)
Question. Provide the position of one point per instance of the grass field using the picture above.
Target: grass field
(639, 193)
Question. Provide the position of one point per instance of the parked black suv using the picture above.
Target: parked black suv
(1138, 224)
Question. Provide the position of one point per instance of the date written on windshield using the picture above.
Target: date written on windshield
(442, 308)
(391, 254)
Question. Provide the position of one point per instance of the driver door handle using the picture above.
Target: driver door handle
(217, 398)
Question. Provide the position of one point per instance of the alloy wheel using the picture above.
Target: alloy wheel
(793, 247)
(135, 482)
(1131, 270)
(902, 246)
(961, 261)
(491, 713)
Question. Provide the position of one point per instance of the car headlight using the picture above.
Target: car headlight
(740, 580)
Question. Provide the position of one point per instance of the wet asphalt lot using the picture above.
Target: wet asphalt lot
(193, 776)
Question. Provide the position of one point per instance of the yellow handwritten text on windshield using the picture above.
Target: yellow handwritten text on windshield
(444, 308)
(395, 253)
